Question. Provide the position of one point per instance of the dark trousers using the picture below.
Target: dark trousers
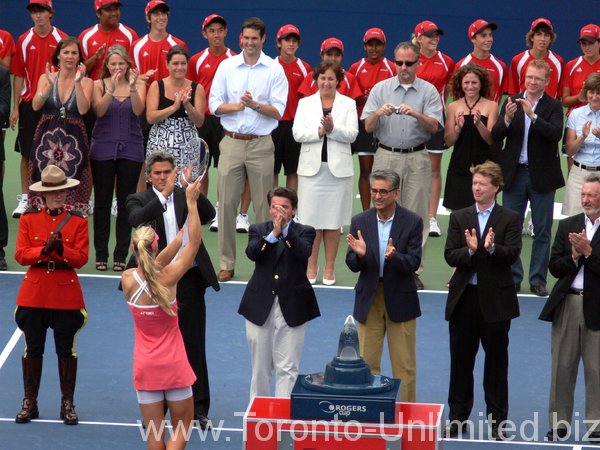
(3, 220)
(34, 322)
(105, 173)
(192, 323)
(467, 330)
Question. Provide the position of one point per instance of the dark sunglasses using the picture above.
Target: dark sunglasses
(406, 63)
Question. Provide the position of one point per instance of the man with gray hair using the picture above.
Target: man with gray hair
(574, 311)
(163, 206)
(403, 112)
(384, 245)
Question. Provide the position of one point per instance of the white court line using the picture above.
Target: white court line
(10, 346)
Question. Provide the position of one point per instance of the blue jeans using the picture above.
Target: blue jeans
(542, 209)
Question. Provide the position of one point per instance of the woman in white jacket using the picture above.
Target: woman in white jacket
(326, 124)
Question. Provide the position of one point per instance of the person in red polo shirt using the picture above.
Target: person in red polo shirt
(109, 31)
(7, 48)
(332, 49)
(34, 49)
(149, 53)
(437, 68)
(539, 39)
(368, 72)
(481, 35)
(287, 150)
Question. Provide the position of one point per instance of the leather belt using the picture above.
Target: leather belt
(576, 291)
(523, 165)
(586, 167)
(241, 136)
(51, 266)
(402, 150)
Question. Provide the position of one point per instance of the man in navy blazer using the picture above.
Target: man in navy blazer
(278, 300)
(532, 124)
(384, 245)
(483, 241)
(150, 207)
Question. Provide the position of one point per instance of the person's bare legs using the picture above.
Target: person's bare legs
(313, 260)
(364, 185)
(331, 241)
(291, 181)
(141, 185)
(182, 416)
(154, 416)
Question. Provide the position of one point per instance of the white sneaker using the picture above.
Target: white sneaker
(434, 228)
(113, 208)
(21, 206)
(242, 224)
(214, 224)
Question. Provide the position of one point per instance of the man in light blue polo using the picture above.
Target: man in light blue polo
(403, 112)
(249, 94)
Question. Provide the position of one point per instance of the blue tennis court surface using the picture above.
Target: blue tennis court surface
(107, 405)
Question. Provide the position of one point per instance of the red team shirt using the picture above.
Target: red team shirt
(29, 62)
(576, 72)
(348, 87)
(93, 38)
(202, 68)
(496, 69)
(7, 44)
(437, 70)
(518, 66)
(147, 54)
(295, 72)
(368, 74)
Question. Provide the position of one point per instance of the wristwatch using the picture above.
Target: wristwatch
(257, 108)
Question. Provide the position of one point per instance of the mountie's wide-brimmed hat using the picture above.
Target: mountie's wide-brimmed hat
(53, 179)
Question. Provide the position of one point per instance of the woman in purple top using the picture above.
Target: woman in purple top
(117, 150)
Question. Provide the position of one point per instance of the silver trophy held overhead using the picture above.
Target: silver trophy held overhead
(195, 156)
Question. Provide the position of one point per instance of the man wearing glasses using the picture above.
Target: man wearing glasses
(532, 124)
(402, 113)
(384, 245)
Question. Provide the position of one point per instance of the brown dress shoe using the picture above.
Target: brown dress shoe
(225, 275)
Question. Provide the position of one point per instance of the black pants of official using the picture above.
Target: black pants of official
(192, 323)
(467, 330)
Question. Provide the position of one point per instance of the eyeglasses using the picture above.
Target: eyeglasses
(382, 192)
(406, 63)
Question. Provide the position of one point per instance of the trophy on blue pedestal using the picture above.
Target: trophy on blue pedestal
(347, 390)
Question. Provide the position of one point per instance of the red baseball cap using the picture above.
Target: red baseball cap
(99, 4)
(153, 4)
(330, 43)
(374, 33)
(214, 18)
(427, 28)
(46, 4)
(540, 21)
(288, 29)
(479, 25)
(590, 33)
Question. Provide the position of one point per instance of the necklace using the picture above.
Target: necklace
(470, 108)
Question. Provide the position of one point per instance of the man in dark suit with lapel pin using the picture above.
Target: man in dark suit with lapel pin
(484, 240)
(574, 310)
(532, 123)
(278, 300)
(384, 245)
(163, 206)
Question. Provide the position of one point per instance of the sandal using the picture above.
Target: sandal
(119, 266)
(102, 266)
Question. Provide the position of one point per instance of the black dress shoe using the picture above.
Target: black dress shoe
(455, 428)
(203, 421)
(539, 290)
(497, 433)
(555, 435)
(418, 282)
(3, 265)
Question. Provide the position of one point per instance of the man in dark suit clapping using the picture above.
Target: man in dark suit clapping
(384, 245)
(484, 240)
(163, 207)
(279, 300)
(532, 123)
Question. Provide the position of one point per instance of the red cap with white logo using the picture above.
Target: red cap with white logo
(374, 33)
(288, 29)
(153, 4)
(427, 28)
(46, 4)
(590, 33)
(99, 4)
(479, 25)
(330, 43)
(213, 18)
(540, 21)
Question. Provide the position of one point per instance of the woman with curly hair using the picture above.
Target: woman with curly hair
(471, 117)
(161, 371)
